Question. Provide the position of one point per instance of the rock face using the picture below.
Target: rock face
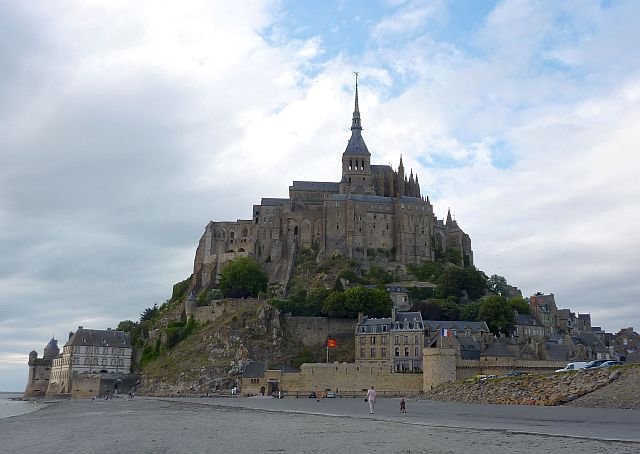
(213, 358)
(550, 390)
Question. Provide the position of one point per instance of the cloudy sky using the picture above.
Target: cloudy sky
(126, 126)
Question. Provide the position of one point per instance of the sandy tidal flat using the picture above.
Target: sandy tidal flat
(157, 426)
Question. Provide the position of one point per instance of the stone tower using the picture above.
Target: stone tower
(40, 370)
(356, 159)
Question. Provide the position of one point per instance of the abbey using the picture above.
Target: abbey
(372, 210)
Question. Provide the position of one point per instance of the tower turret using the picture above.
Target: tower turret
(356, 159)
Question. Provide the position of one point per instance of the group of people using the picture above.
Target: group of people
(371, 398)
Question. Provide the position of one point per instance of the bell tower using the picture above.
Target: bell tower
(356, 159)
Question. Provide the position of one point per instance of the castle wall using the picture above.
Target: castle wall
(347, 378)
(39, 373)
(312, 331)
(218, 308)
(91, 385)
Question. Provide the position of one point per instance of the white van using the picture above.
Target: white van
(573, 366)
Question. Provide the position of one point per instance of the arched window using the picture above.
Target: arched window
(232, 234)
(295, 231)
(350, 165)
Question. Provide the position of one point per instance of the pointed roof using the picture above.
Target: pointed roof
(356, 145)
(449, 220)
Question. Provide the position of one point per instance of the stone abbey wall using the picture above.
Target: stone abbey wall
(441, 365)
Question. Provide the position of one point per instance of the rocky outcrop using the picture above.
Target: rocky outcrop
(213, 358)
(550, 390)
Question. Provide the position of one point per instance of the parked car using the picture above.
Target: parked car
(595, 363)
(515, 373)
(313, 395)
(489, 377)
(331, 395)
(573, 366)
(607, 364)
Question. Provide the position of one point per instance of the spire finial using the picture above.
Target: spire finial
(355, 122)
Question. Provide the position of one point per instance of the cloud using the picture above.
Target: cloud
(125, 128)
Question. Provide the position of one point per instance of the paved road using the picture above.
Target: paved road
(588, 423)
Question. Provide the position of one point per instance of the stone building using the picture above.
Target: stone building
(372, 210)
(398, 339)
(90, 351)
(40, 370)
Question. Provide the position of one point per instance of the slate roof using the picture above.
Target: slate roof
(356, 145)
(558, 352)
(270, 201)
(99, 338)
(361, 198)
(316, 186)
(255, 369)
(409, 317)
(380, 167)
(591, 340)
(456, 324)
(497, 348)
(527, 320)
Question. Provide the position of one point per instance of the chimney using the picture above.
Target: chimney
(70, 334)
(79, 327)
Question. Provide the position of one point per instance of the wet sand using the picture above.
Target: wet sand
(223, 426)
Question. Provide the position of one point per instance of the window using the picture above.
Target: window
(417, 351)
(395, 340)
(383, 341)
(373, 352)
(406, 351)
(373, 341)
(415, 340)
(384, 352)
(362, 353)
(397, 351)
(406, 339)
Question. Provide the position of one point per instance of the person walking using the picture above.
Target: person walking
(371, 398)
(403, 406)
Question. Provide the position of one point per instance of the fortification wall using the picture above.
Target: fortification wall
(315, 330)
(346, 378)
(219, 308)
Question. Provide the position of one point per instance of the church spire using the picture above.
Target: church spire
(355, 122)
(449, 220)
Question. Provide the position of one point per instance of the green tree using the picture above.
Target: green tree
(242, 278)
(315, 300)
(474, 282)
(334, 305)
(437, 309)
(498, 313)
(519, 304)
(149, 313)
(498, 285)
(470, 311)
(373, 302)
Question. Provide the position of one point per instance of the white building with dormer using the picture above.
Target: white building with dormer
(90, 351)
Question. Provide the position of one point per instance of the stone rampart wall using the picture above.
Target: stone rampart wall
(315, 330)
(346, 378)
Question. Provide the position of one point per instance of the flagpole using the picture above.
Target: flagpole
(327, 351)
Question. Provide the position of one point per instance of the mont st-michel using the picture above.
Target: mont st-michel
(341, 287)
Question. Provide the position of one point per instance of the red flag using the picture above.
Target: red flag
(332, 343)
